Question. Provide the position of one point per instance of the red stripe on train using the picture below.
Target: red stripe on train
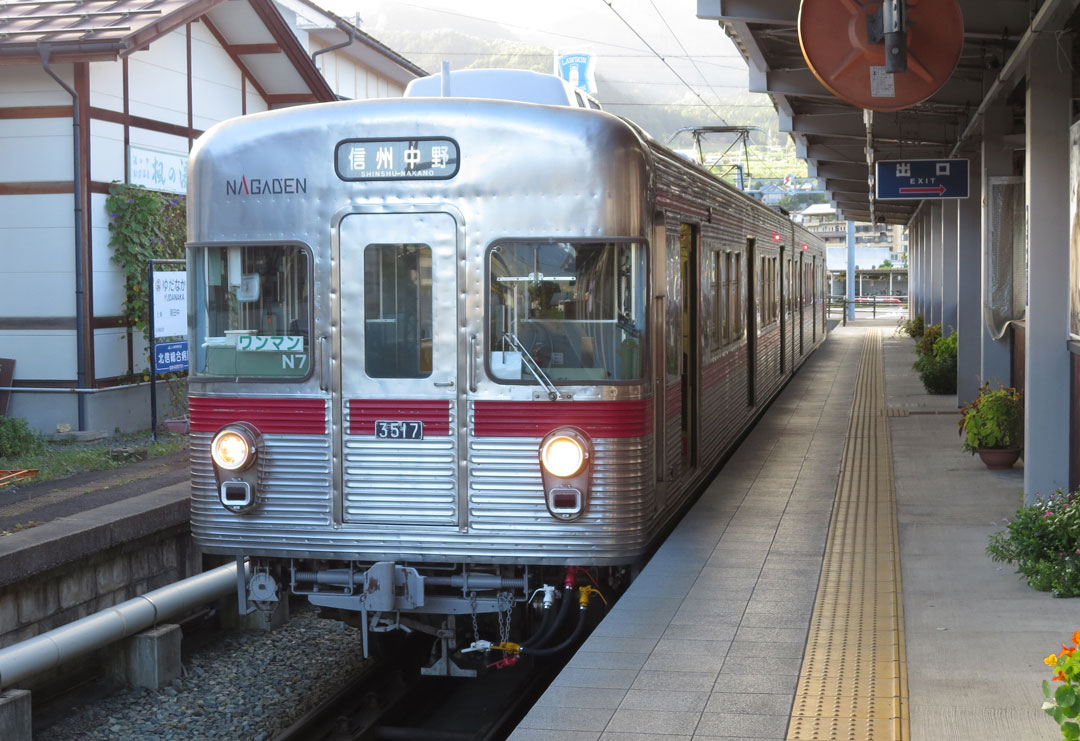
(434, 413)
(269, 415)
(538, 418)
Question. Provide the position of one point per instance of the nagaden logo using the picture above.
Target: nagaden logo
(246, 186)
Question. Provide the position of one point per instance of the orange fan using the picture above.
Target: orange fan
(838, 43)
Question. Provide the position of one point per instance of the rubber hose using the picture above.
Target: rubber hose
(541, 633)
(559, 621)
(578, 630)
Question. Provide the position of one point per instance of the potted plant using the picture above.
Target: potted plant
(993, 426)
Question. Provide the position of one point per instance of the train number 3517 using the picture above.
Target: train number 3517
(399, 429)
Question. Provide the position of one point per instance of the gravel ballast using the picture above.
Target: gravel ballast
(245, 685)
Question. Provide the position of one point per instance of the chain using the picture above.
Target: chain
(506, 606)
(475, 626)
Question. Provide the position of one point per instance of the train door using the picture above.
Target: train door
(688, 377)
(397, 378)
(813, 297)
(751, 320)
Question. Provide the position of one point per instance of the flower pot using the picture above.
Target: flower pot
(999, 458)
(176, 426)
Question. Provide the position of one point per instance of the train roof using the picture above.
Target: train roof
(521, 85)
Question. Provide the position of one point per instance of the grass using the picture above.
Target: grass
(62, 459)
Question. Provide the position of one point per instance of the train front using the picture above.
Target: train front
(421, 359)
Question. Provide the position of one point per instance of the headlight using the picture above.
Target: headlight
(233, 449)
(563, 455)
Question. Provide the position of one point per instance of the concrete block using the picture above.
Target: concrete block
(77, 587)
(31, 599)
(9, 611)
(168, 554)
(113, 574)
(140, 564)
(149, 659)
(15, 722)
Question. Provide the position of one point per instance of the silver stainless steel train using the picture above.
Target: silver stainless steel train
(446, 350)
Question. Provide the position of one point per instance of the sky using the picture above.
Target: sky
(631, 38)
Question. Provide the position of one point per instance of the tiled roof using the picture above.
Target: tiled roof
(89, 29)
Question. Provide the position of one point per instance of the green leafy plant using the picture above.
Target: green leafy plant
(913, 327)
(994, 420)
(1043, 541)
(1063, 704)
(143, 225)
(937, 367)
(16, 438)
(924, 345)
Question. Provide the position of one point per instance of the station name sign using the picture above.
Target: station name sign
(919, 179)
(397, 159)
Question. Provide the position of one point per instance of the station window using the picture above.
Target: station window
(576, 310)
(398, 308)
(251, 311)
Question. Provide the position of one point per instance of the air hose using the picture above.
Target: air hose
(544, 634)
(513, 650)
(574, 637)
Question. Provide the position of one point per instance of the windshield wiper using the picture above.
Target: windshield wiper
(534, 368)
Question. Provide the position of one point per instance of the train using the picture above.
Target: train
(456, 350)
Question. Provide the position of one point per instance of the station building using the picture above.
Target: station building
(94, 93)
(1000, 266)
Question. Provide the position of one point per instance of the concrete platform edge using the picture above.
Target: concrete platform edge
(65, 540)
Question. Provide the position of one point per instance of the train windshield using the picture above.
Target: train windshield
(251, 311)
(573, 312)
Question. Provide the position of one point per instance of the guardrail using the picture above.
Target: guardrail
(888, 305)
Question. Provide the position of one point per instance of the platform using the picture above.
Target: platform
(831, 583)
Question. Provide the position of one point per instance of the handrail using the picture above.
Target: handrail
(49, 650)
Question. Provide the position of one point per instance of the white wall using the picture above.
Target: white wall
(216, 81)
(157, 80)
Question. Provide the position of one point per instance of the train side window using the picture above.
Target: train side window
(716, 294)
(251, 311)
(735, 296)
(574, 309)
(398, 308)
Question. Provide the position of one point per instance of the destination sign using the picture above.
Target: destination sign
(918, 179)
(397, 159)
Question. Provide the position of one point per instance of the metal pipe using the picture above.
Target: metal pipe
(345, 577)
(44, 50)
(476, 581)
(48, 390)
(49, 650)
(347, 42)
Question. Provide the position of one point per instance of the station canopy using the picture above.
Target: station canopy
(838, 139)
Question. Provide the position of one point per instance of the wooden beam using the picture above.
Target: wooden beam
(37, 188)
(36, 111)
(232, 55)
(104, 114)
(240, 49)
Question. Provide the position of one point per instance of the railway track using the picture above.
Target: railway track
(391, 701)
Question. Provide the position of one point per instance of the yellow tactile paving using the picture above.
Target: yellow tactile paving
(853, 681)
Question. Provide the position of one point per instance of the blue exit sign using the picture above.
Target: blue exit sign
(919, 179)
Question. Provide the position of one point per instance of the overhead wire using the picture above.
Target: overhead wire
(687, 53)
(664, 60)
